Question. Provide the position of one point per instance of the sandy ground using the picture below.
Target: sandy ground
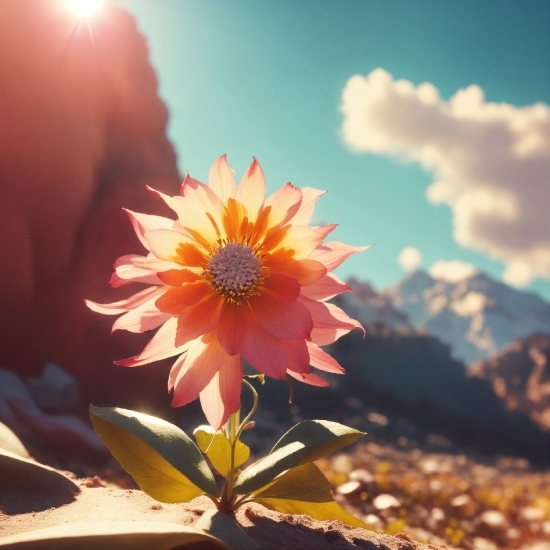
(270, 529)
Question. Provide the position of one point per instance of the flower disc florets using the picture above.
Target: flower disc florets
(235, 272)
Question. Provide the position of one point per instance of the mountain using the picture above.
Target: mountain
(476, 316)
(415, 376)
(520, 376)
(372, 309)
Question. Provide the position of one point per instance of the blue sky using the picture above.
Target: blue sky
(265, 79)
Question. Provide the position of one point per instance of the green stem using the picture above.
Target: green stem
(226, 500)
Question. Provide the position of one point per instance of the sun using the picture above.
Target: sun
(84, 8)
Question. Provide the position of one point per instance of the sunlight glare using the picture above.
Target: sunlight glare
(84, 8)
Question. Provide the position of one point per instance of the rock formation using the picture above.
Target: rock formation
(520, 376)
(82, 132)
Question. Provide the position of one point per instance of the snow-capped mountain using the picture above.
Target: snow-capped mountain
(476, 316)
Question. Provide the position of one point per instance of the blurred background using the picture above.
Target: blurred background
(427, 122)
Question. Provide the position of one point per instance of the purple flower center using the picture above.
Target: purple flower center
(235, 272)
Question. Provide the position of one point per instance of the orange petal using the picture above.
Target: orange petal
(173, 246)
(222, 395)
(132, 302)
(143, 317)
(329, 321)
(298, 355)
(177, 277)
(202, 362)
(334, 253)
(325, 230)
(161, 346)
(126, 271)
(146, 222)
(196, 320)
(327, 287)
(231, 327)
(306, 271)
(310, 378)
(301, 240)
(288, 320)
(281, 287)
(307, 206)
(284, 203)
(251, 191)
(323, 361)
(200, 210)
(174, 300)
(221, 178)
(264, 351)
(232, 218)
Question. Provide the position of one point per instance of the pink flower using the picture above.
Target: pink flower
(236, 276)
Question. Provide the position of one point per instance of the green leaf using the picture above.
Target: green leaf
(317, 510)
(218, 449)
(162, 459)
(226, 529)
(28, 486)
(114, 535)
(10, 442)
(306, 483)
(305, 442)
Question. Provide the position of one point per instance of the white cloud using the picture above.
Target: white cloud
(491, 162)
(452, 271)
(409, 258)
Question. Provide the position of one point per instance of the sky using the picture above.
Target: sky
(330, 94)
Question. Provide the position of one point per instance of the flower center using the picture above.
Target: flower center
(235, 272)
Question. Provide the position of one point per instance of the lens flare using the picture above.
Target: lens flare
(84, 8)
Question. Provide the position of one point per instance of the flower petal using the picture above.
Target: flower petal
(222, 178)
(146, 222)
(178, 277)
(126, 272)
(231, 328)
(196, 320)
(174, 300)
(200, 211)
(334, 253)
(284, 203)
(175, 247)
(115, 308)
(202, 362)
(288, 320)
(302, 241)
(168, 200)
(298, 355)
(325, 230)
(329, 321)
(305, 212)
(322, 360)
(161, 346)
(306, 271)
(325, 288)
(175, 370)
(264, 351)
(251, 191)
(281, 287)
(310, 378)
(222, 395)
(142, 318)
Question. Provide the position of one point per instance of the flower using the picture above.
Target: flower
(236, 276)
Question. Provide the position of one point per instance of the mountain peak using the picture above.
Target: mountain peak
(476, 315)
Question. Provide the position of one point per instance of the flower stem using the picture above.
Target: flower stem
(226, 500)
